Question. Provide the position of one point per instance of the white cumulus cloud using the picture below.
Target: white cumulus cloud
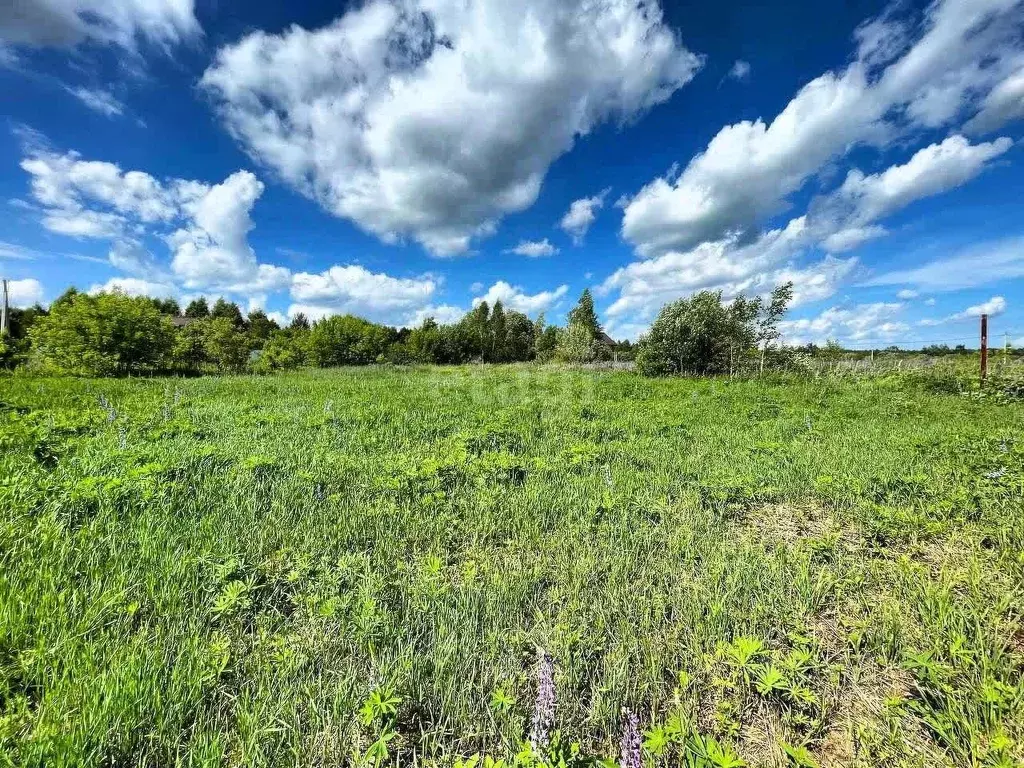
(24, 293)
(740, 70)
(135, 286)
(581, 214)
(931, 171)
(993, 308)
(849, 237)
(534, 248)
(702, 227)
(514, 297)
(750, 168)
(213, 251)
(431, 119)
(205, 226)
(729, 265)
(356, 290)
(442, 313)
(1004, 103)
(855, 325)
(95, 199)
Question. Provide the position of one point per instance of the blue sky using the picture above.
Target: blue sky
(402, 159)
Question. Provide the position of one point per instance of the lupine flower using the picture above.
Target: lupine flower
(544, 707)
(630, 747)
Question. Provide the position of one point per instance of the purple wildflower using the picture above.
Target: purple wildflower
(630, 747)
(544, 707)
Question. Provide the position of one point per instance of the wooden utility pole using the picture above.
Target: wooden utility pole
(984, 347)
(3, 312)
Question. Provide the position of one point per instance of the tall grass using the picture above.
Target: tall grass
(361, 566)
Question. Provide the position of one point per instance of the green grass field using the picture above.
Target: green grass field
(359, 566)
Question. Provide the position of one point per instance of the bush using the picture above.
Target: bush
(224, 345)
(188, 352)
(348, 340)
(103, 335)
(701, 335)
(576, 345)
(282, 352)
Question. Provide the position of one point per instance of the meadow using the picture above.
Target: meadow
(382, 565)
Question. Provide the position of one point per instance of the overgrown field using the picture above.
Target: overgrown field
(366, 565)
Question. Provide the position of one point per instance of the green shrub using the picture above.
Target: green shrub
(282, 352)
(701, 335)
(103, 335)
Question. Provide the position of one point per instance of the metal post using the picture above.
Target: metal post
(984, 347)
(3, 312)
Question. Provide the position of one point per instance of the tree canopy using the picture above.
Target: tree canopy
(103, 335)
(701, 335)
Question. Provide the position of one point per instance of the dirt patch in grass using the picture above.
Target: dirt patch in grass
(792, 524)
(862, 710)
(867, 726)
(759, 739)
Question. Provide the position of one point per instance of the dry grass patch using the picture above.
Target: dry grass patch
(792, 524)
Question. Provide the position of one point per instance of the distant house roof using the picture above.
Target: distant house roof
(605, 339)
(180, 321)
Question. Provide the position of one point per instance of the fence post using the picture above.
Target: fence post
(3, 312)
(984, 347)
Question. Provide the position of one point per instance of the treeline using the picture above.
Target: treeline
(111, 334)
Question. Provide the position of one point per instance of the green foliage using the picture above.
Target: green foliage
(227, 310)
(799, 756)
(545, 340)
(15, 345)
(348, 340)
(283, 351)
(103, 335)
(260, 327)
(700, 335)
(167, 306)
(202, 343)
(580, 341)
(188, 352)
(224, 344)
(576, 345)
(584, 315)
(491, 335)
(197, 308)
